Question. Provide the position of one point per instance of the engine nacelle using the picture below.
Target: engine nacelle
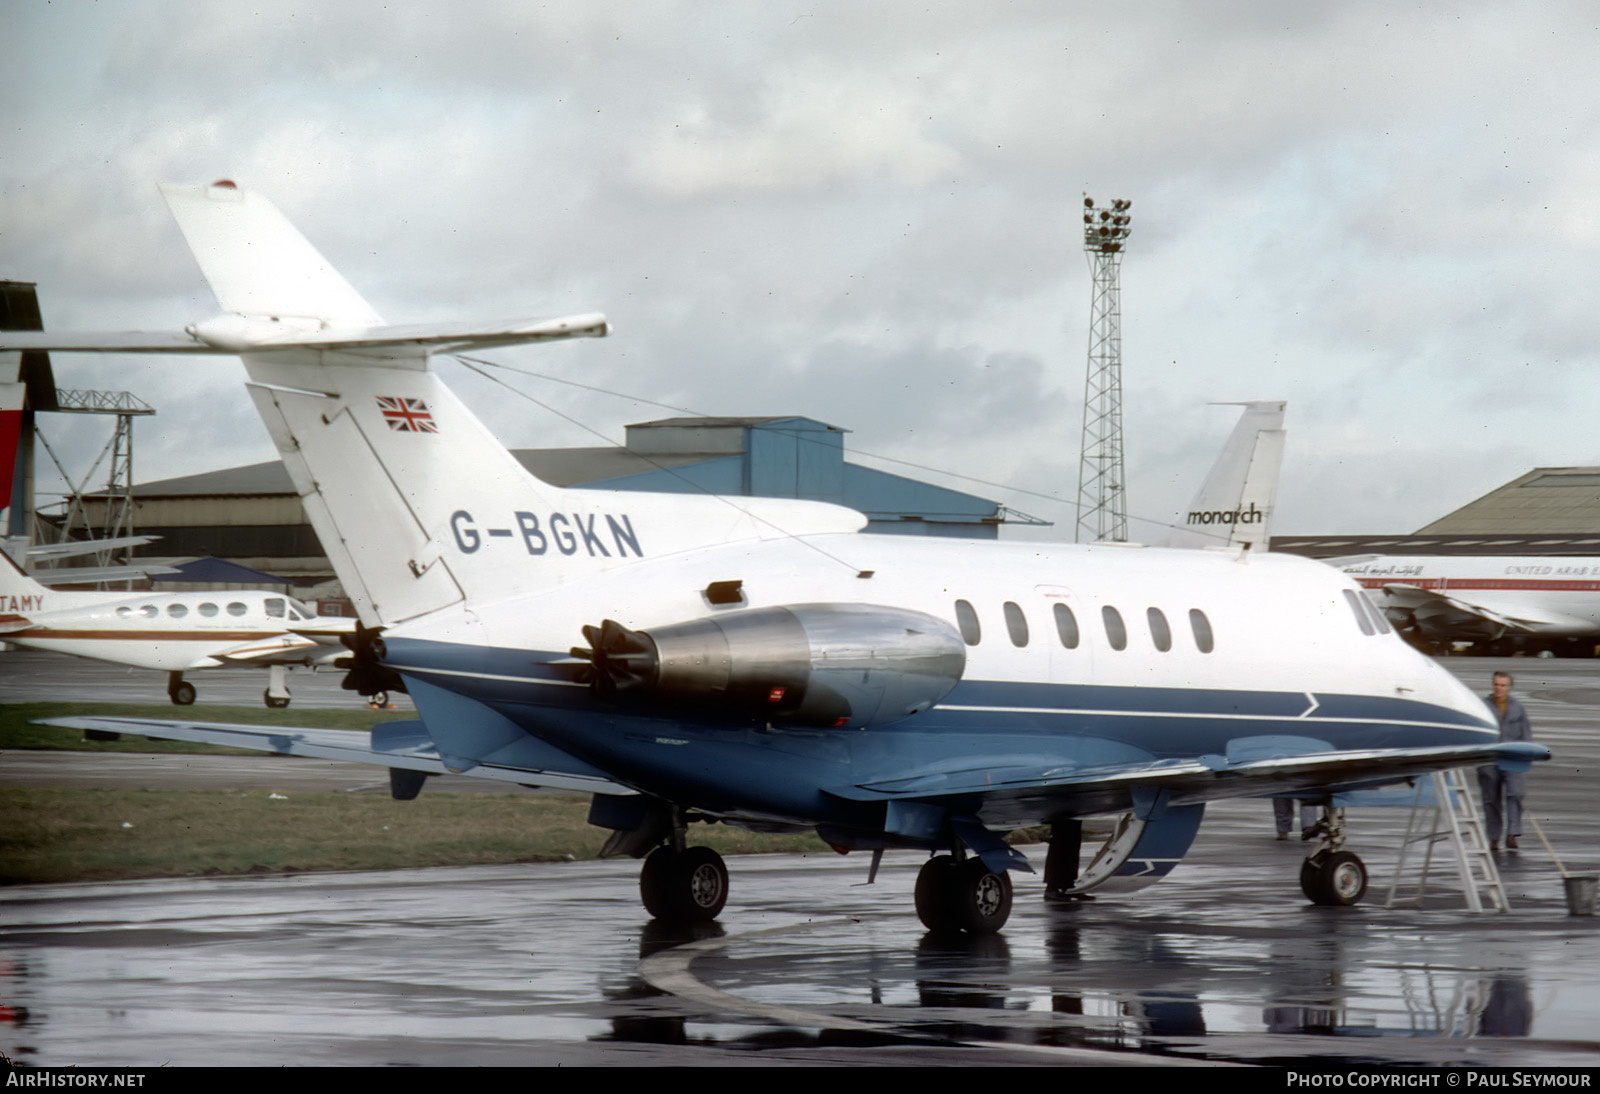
(804, 664)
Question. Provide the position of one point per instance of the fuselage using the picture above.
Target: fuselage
(168, 631)
(1075, 657)
(1542, 595)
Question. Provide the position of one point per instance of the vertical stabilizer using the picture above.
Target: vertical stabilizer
(419, 507)
(1234, 505)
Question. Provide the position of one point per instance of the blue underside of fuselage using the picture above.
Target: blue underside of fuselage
(739, 768)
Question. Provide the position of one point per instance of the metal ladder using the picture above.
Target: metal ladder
(1455, 819)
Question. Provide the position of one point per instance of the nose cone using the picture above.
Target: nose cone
(1440, 687)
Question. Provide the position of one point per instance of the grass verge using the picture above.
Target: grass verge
(104, 835)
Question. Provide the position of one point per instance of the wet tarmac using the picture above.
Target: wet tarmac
(557, 964)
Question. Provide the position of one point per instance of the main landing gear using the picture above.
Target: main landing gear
(1332, 876)
(962, 895)
(182, 693)
(277, 694)
(683, 886)
(179, 690)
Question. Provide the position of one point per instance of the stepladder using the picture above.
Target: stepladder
(1451, 825)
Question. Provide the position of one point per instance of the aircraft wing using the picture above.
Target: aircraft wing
(76, 547)
(291, 649)
(403, 745)
(325, 629)
(1018, 794)
(94, 575)
(1412, 597)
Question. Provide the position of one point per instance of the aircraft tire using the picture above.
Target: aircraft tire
(1334, 880)
(275, 702)
(655, 882)
(701, 881)
(182, 695)
(935, 894)
(982, 901)
(691, 887)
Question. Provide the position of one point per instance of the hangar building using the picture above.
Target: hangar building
(1548, 511)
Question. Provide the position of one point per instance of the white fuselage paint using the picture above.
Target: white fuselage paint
(173, 632)
(1276, 622)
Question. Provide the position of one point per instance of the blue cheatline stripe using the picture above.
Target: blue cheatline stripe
(498, 674)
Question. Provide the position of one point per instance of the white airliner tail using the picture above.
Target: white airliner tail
(1234, 505)
(419, 506)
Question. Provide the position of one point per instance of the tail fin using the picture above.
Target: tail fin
(20, 595)
(417, 504)
(1234, 505)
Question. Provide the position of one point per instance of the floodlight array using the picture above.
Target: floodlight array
(1106, 230)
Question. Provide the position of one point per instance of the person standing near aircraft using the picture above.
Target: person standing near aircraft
(1503, 791)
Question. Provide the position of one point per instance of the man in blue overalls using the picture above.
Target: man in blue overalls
(1503, 791)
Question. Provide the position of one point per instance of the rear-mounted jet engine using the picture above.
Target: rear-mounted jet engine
(805, 664)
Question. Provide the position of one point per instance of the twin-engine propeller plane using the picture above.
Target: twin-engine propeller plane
(173, 632)
(764, 663)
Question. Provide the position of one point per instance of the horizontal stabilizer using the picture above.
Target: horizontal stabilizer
(351, 746)
(236, 334)
(104, 342)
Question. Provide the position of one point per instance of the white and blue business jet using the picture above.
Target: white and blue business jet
(761, 661)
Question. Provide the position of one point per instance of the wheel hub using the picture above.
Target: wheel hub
(704, 886)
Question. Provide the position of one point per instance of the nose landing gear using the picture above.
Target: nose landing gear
(1331, 876)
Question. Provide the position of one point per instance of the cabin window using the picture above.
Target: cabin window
(1378, 618)
(1160, 633)
(149, 611)
(1066, 625)
(275, 607)
(1116, 631)
(1202, 630)
(208, 609)
(1016, 624)
(967, 620)
(177, 611)
(125, 611)
(237, 608)
(1361, 616)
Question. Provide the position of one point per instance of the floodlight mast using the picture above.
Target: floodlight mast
(1102, 500)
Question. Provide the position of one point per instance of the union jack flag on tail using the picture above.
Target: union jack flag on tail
(406, 415)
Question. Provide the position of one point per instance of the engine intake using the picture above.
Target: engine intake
(804, 664)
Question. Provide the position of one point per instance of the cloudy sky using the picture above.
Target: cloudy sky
(868, 213)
